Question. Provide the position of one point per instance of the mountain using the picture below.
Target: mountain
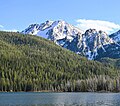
(113, 49)
(32, 63)
(53, 30)
(115, 36)
(92, 44)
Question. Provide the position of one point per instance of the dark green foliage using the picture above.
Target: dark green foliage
(31, 63)
(111, 62)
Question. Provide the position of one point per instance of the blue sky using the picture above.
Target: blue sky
(18, 14)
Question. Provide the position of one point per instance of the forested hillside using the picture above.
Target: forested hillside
(31, 63)
(111, 62)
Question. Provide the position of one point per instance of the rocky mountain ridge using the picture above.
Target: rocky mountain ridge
(93, 44)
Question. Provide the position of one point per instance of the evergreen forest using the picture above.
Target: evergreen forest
(32, 63)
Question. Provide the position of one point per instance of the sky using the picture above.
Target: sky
(101, 14)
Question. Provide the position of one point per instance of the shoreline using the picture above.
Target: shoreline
(45, 91)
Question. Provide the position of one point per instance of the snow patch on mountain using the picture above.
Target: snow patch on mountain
(116, 36)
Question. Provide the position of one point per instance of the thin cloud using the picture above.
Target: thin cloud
(1, 26)
(106, 26)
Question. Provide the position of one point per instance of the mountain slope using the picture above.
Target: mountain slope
(31, 63)
(53, 30)
(115, 36)
(91, 44)
(112, 51)
(112, 62)
(60, 32)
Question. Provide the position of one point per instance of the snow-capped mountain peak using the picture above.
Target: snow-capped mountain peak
(53, 30)
(36, 29)
(93, 41)
(91, 44)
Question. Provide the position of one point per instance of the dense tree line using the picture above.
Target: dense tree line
(111, 62)
(31, 63)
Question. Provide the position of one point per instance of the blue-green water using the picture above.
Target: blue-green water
(59, 99)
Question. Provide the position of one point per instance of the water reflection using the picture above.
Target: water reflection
(59, 99)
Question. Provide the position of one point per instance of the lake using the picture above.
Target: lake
(59, 99)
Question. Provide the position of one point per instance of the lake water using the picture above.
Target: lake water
(59, 99)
